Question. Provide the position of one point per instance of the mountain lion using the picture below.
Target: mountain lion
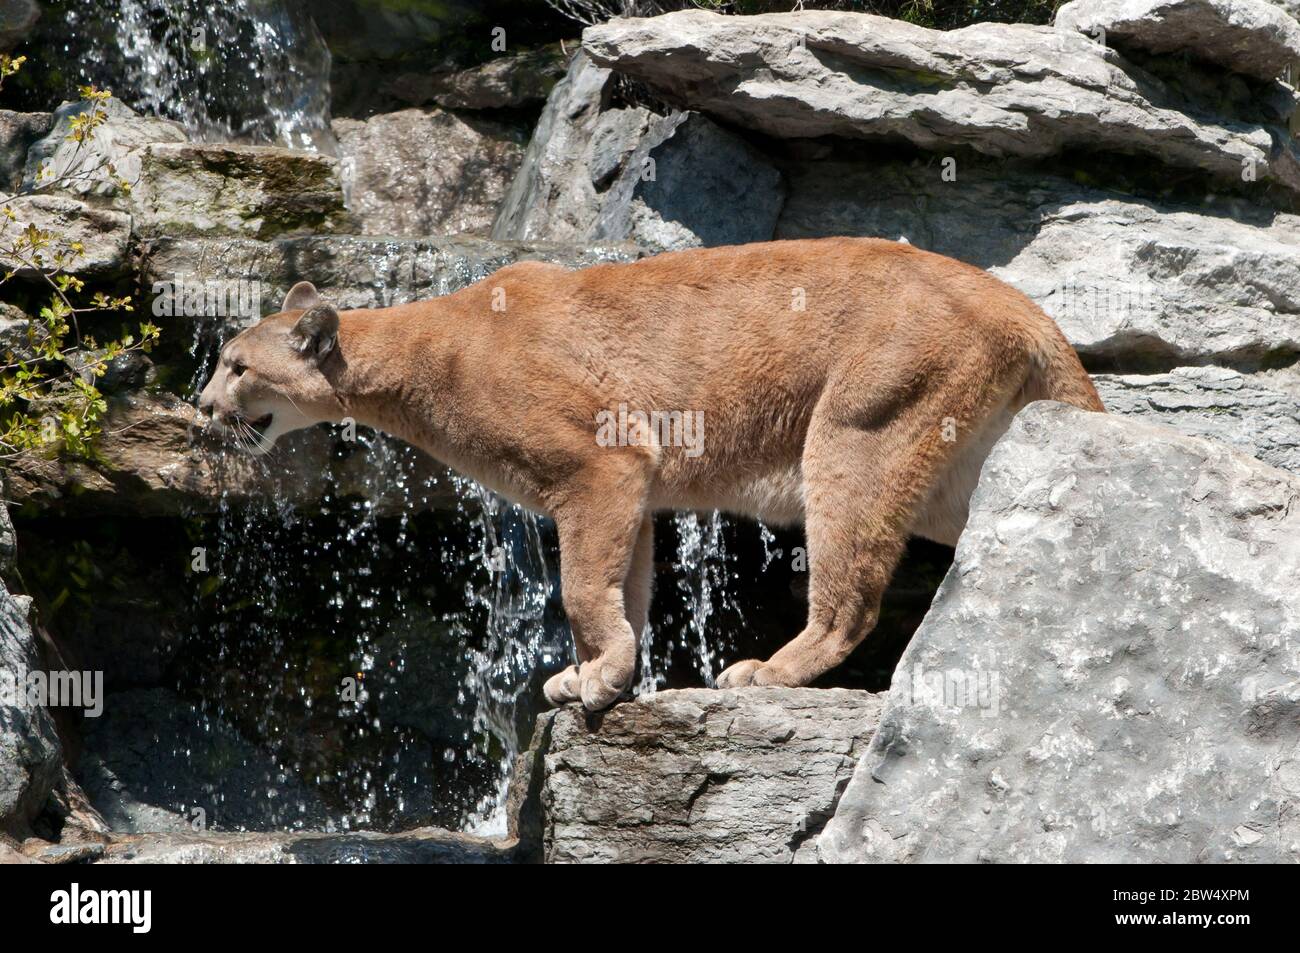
(852, 385)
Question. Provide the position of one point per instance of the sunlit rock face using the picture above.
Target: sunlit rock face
(1109, 671)
(1250, 37)
(695, 776)
(419, 172)
(999, 89)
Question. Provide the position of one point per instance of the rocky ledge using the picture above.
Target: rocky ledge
(696, 775)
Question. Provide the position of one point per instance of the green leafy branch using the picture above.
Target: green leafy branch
(48, 397)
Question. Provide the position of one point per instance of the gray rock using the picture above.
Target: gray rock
(552, 197)
(699, 775)
(81, 168)
(422, 172)
(104, 234)
(18, 133)
(31, 758)
(8, 543)
(504, 82)
(1000, 89)
(153, 762)
(1244, 410)
(675, 181)
(152, 461)
(189, 189)
(1251, 37)
(1109, 671)
(17, 17)
(689, 183)
(1133, 284)
(1126, 279)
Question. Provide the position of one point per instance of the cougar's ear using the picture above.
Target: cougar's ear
(317, 331)
(301, 297)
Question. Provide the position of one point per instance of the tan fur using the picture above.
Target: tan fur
(866, 415)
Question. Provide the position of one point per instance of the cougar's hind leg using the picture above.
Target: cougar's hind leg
(865, 475)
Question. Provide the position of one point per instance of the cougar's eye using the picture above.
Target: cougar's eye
(238, 369)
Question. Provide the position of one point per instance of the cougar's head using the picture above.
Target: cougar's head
(271, 378)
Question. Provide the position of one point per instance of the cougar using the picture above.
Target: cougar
(851, 385)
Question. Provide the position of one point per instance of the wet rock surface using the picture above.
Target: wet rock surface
(154, 461)
(1114, 650)
(422, 846)
(150, 765)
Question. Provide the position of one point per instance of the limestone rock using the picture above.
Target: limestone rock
(422, 172)
(1109, 671)
(31, 759)
(699, 775)
(552, 197)
(999, 89)
(104, 233)
(1133, 284)
(18, 132)
(1243, 410)
(188, 189)
(664, 182)
(82, 167)
(689, 183)
(1251, 37)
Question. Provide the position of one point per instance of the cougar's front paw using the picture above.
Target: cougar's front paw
(600, 683)
(752, 672)
(563, 687)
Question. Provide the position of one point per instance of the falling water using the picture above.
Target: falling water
(241, 70)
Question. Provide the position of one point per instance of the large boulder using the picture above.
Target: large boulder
(1109, 671)
(1251, 37)
(1133, 284)
(31, 759)
(552, 197)
(422, 172)
(698, 775)
(1247, 411)
(999, 89)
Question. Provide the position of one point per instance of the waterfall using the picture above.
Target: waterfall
(242, 70)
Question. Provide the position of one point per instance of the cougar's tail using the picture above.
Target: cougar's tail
(1057, 373)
